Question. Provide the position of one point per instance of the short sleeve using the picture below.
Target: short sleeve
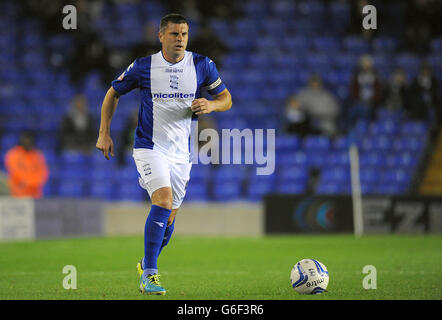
(213, 82)
(128, 80)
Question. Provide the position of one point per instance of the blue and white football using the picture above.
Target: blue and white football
(309, 276)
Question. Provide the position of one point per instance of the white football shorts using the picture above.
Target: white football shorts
(156, 171)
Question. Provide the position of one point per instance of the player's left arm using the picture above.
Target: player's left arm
(221, 102)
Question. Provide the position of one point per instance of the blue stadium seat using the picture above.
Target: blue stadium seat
(291, 173)
(404, 159)
(409, 62)
(391, 189)
(316, 143)
(436, 45)
(230, 173)
(381, 143)
(292, 158)
(291, 187)
(130, 191)
(233, 61)
(413, 128)
(341, 143)
(74, 172)
(383, 127)
(371, 159)
(273, 26)
(395, 176)
(50, 189)
(68, 188)
(335, 175)
(227, 191)
(287, 142)
(326, 44)
(410, 144)
(339, 158)
(128, 173)
(74, 158)
(256, 191)
(197, 191)
(333, 188)
(385, 44)
(357, 45)
(297, 44)
(369, 176)
(200, 172)
(9, 140)
(282, 8)
(368, 189)
(102, 190)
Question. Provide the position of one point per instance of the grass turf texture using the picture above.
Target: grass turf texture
(194, 268)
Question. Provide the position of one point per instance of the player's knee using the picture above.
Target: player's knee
(162, 198)
(164, 203)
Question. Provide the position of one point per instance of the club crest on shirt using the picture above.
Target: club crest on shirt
(173, 82)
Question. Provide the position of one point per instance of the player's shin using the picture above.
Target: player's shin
(154, 230)
(167, 235)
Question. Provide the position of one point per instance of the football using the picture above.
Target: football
(309, 276)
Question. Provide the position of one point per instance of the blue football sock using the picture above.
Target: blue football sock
(167, 235)
(154, 229)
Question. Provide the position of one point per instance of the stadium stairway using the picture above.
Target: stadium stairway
(432, 182)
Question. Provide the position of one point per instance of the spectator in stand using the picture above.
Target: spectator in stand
(424, 99)
(27, 169)
(78, 131)
(365, 90)
(314, 109)
(397, 91)
(297, 121)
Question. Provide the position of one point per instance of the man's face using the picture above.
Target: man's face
(174, 39)
(27, 142)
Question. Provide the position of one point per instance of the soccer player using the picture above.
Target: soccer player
(170, 83)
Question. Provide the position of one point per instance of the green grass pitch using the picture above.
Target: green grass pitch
(206, 268)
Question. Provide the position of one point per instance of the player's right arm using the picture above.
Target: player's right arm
(105, 143)
(127, 81)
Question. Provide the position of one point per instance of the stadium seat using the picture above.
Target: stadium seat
(410, 144)
(292, 174)
(197, 191)
(227, 191)
(383, 127)
(357, 45)
(371, 159)
(335, 175)
(385, 44)
(326, 44)
(333, 188)
(130, 191)
(291, 188)
(316, 143)
(68, 188)
(413, 128)
(102, 190)
(287, 143)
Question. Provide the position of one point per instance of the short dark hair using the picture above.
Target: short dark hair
(173, 18)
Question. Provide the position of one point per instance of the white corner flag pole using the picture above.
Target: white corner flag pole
(358, 224)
